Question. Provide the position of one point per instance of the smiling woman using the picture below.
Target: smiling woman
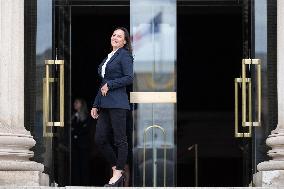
(112, 103)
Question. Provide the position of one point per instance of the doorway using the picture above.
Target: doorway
(209, 52)
(91, 28)
(189, 48)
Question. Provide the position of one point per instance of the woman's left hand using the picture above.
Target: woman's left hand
(104, 89)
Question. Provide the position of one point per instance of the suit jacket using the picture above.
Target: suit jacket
(118, 75)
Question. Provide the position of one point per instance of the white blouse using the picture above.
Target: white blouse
(105, 63)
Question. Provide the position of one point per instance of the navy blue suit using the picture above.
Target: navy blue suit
(118, 75)
(114, 108)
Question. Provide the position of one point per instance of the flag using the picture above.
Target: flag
(152, 27)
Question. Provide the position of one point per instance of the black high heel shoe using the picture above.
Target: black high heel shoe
(118, 183)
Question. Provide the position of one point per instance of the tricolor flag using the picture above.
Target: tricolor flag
(152, 27)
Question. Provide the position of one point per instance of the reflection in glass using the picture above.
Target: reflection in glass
(260, 35)
(43, 150)
(153, 29)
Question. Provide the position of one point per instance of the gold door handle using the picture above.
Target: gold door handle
(154, 156)
(237, 133)
(257, 63)
(247, 119)
(47, 97)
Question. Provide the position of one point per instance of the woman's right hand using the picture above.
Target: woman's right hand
(94, 113)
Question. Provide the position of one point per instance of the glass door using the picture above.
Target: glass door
(211, 44)
(153, 29)
(49, 90)
(62, 134)
(243, 130)
(45, 84)
(251, 103)
(220, 41)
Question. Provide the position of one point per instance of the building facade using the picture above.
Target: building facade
(207, 98)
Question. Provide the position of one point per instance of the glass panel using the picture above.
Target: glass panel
(209, 53)
(44, 51)
(245, 143)
(257, 39)
(62, 139)
(153, 28)
(261, 52)
(48, 113)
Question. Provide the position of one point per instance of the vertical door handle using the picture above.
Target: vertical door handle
(246, 85)
(48, 97)
(257, 63)
(154, 156)
(237, 81)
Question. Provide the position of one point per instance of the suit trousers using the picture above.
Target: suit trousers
(111, 136)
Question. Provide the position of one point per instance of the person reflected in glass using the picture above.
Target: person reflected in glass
(111, 104)
(81, 140)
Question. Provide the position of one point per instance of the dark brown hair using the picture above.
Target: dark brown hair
(128, 45)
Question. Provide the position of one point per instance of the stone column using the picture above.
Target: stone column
(271, 173)
(15, 140)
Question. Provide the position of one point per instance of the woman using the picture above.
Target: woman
(80, 131)
(112, 103)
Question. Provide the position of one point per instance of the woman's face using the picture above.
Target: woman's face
(77, 105)
(118, 39)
